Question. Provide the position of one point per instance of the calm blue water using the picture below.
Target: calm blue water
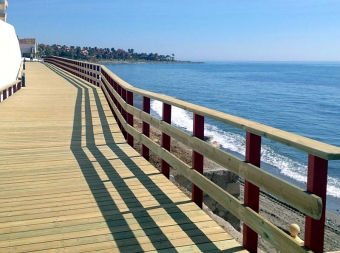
(302, 98)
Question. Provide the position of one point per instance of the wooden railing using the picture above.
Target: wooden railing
(311, 201)
(9, 90)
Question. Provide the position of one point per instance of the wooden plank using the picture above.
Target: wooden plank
(38, 236)
(66, 188)
(71, 222)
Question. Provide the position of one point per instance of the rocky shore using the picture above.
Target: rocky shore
(278, 213)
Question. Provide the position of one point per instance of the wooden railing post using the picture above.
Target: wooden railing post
(146, 128)
(316, 184)
(4, 94)
(129, 100)
(119, 107)
(197, 158)
(123, 112)
(166, 140)
(99, 76)
(85, 71)
(251, 192)
(115, 87)
(111, 83)
(91, 73)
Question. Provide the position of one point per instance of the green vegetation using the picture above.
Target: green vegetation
(99, 54)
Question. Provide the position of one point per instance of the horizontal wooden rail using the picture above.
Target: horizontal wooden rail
(311, 201)
(305, 144)
(263, 227)
(79, 71)
(9, 85)
(9, 89)
(305, 202)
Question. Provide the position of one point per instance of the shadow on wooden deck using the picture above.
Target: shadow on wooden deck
(124, 237)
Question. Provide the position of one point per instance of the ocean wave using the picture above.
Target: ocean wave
(235, 142)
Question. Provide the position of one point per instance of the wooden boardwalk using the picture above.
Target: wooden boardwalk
(70, 183)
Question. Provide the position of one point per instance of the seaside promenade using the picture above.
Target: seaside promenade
(70, 182)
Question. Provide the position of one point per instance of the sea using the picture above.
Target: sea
(299, 97)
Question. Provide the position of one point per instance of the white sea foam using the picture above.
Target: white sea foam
(236, 143)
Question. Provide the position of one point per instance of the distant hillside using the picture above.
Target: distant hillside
(99, 54)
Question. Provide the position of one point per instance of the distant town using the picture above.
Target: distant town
(95, 54)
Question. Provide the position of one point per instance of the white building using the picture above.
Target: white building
(10, 58)
(28, 47)
(3, 7)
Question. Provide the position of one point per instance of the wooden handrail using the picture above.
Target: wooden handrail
(292, 195)
(308, 145)
(312, 203)
(9, 89)
(9, 85)
(305, 144)
(263, 227)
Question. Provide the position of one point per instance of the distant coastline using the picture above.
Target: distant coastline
(145, 62)
(106, 55)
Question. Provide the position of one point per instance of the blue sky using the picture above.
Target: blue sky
(197, 30)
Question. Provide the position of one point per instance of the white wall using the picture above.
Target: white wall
(27, 48)
(10, 57)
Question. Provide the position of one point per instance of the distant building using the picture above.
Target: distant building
(3, 7)
(28, 47)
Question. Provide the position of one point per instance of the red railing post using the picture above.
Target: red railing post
(87, 72)
(77, 69)
(98, 76)
(90, 73)
(4, 94)
(115, 87)
(119, 91)
(166, 140)
(106, 85)
(197, 158)
(146, 128)
(251, 192)
(316, 184)
(129, 100)
(123, 112)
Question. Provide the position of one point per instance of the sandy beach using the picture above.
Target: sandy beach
(275, 211)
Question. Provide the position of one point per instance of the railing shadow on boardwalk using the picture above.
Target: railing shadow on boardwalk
(124, 237)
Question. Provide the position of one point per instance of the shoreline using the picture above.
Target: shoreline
(271, 209)
(146, 62)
